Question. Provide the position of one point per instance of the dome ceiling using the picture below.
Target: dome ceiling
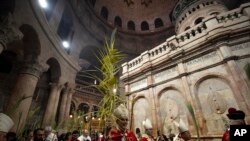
(136, 11)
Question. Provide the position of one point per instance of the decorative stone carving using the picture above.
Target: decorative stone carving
(8, 31)
(32, 68)
(180, 6)
(172, 109)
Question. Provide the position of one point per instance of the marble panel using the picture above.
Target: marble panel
(138, 85)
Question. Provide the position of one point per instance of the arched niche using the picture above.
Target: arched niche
(141, 111)
(214, 96)
(171, 107)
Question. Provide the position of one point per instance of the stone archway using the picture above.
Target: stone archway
(214, 97)
(141, 111)
(172, 107)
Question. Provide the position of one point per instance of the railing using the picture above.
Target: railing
(87, 89)
(229, 16)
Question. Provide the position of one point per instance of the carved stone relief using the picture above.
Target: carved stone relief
(241, 49)
(8, 31)
(172, 107)
(215, 97)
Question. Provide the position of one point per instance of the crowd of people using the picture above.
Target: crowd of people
(120, 132)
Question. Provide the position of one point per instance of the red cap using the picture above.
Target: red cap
(231, 110)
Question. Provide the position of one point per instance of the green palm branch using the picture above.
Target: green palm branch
(16, 105)
(191, 110)
(247, 70)
(109, 58)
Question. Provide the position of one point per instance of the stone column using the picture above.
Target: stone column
(69, 98)
(25, 86)
(188, 96)
(63, 105)
(50, 109)
(152, 99)
(1, 48)
(56, 102)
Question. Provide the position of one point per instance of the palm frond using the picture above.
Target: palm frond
(16, 105)
(247, 70)
(191, 111)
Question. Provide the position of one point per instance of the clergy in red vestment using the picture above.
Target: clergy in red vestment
(184, 134)
(120, 132)
(236, 117)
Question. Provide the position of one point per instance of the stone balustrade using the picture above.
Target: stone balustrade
(231, 15)
(87, 89)
(204, 30)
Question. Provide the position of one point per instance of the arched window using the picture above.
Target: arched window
(49, 11)
(187, 28)
(65, 25)
(199, 20)
(144, 26)
(214, 13)
(118, 21)
(104, 13)
(131, 25)
(158, 23)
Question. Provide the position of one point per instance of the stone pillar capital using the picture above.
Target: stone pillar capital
(8, 31)
(32, 68)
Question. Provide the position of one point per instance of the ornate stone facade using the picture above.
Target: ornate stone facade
(203, 65)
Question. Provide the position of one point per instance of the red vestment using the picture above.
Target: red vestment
(145, 137)
(226, 135)
(116, 135)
